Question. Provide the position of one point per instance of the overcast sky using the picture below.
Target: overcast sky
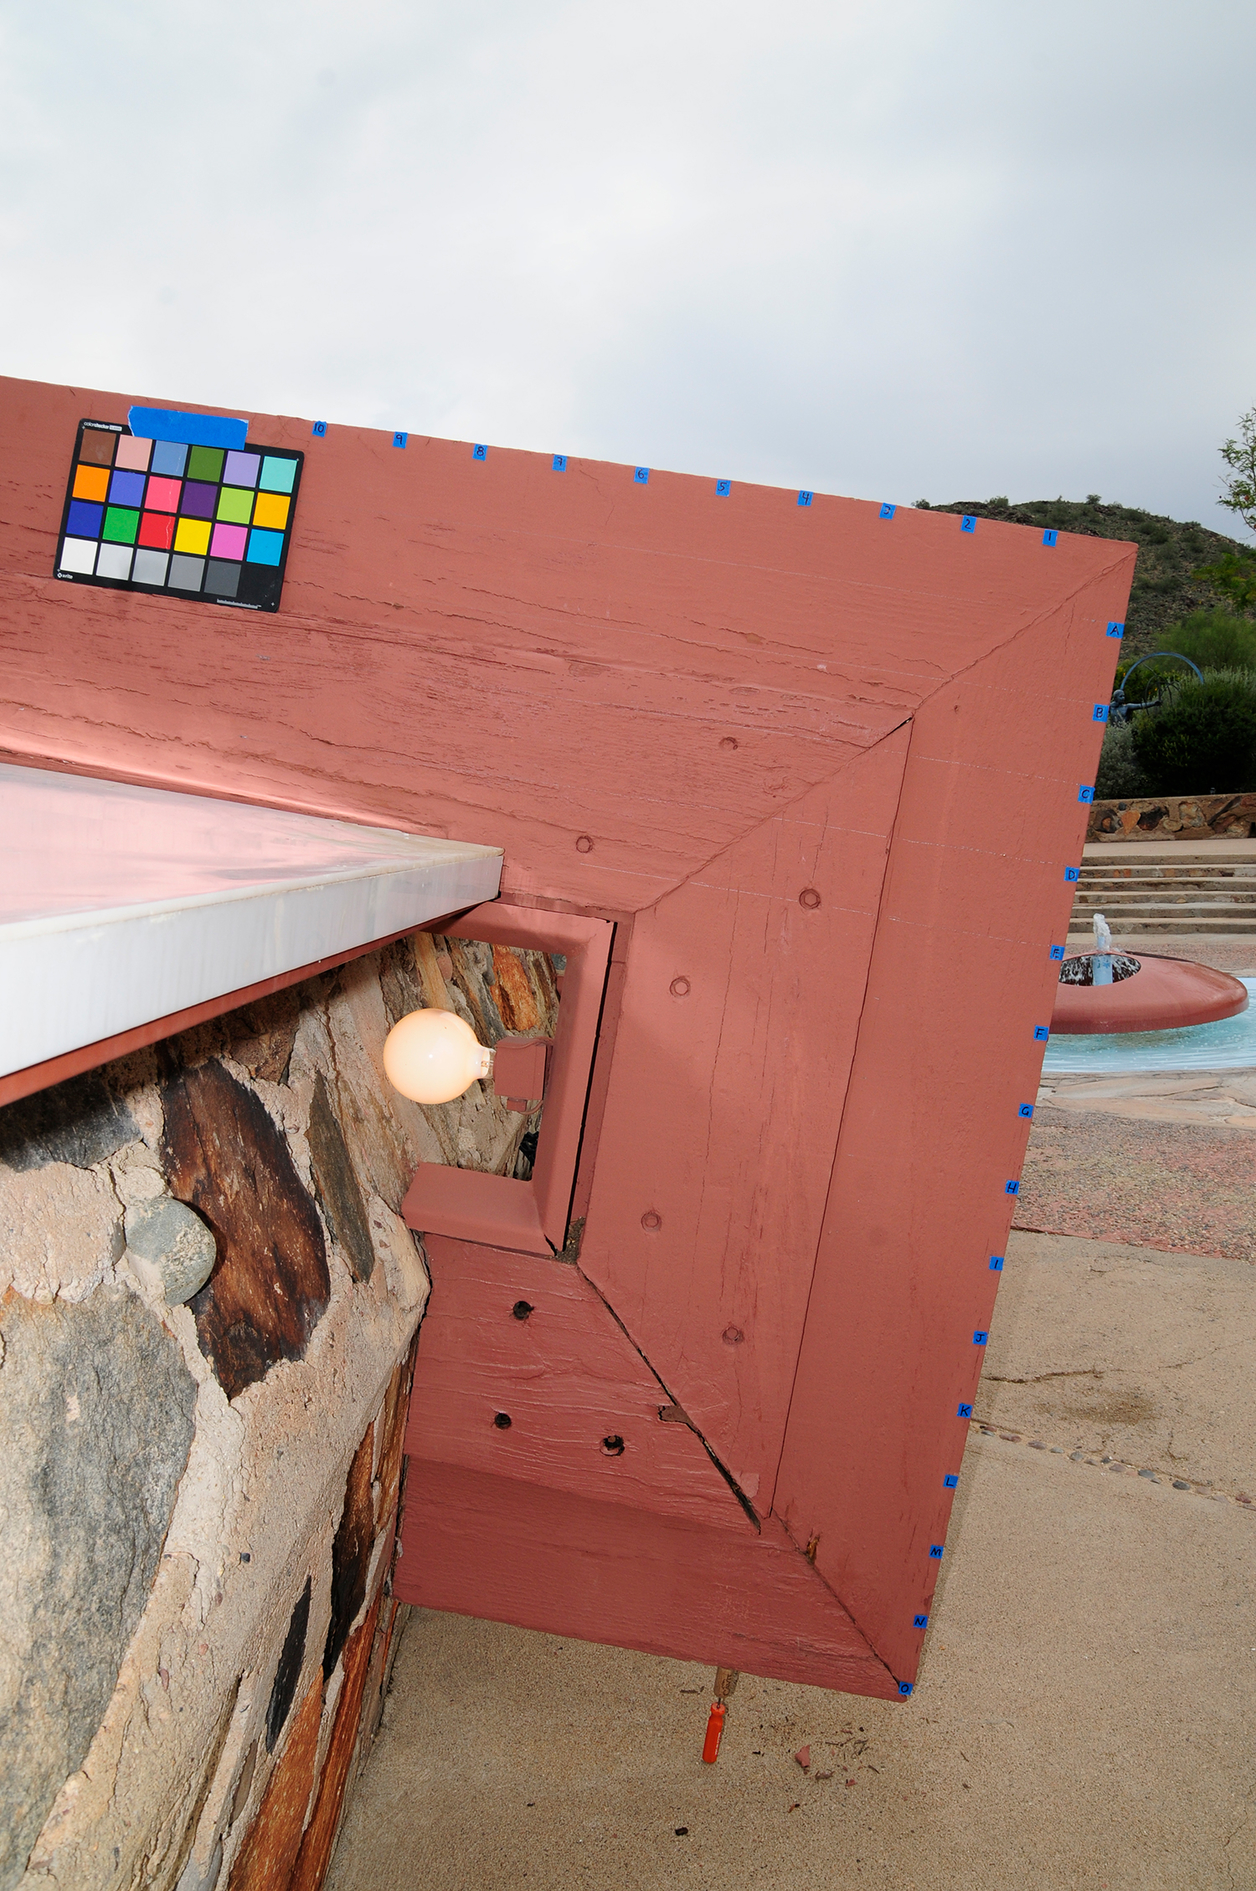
(910, 249)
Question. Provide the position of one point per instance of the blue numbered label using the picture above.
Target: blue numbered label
(723, 487)
(1048, 537)
(935, 1552)
(904, 1688)
(920, 1621)
(642, 475)
(1101, 713)
(887, 512)
(980, 1337)
(560, 462)
(1025, 1109)
(1072, 873)
(1085, 794)
(964, 1411)
(951, 1481)
(319, 428)
(479, 453)
(1057, 953)
(805, 498)
(996, 1263)
(1011, 1188)
(968, 523)
(1041, 1033)
(1116, 630)
(399, 439)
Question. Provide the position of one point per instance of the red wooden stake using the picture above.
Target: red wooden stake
(715, 1727)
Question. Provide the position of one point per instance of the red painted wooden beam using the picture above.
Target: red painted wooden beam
(821, 770)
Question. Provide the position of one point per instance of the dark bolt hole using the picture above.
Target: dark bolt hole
(502, 1420)
(613, 1446)
(521, 1309)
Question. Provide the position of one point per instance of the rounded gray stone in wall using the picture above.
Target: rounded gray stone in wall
(173, 1239)
(96, 1414)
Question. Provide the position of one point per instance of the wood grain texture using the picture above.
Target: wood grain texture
(735, 1042)
(679, 713)
(505, 654)
(568, 1379)
(960, 977)
(511, 1552)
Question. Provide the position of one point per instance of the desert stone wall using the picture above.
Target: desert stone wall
(208, 1309)
(1174, 817)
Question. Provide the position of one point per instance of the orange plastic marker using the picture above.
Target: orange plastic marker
(715, 1727)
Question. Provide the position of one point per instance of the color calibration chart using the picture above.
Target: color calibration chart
(176, 516)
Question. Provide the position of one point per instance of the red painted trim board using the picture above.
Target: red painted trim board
(832, 766)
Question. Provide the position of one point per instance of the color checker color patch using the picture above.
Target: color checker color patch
(204, 522)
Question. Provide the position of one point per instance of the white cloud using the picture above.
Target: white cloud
(922, 249)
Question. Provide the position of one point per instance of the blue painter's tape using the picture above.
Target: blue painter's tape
(1041, 1033)
(935, 1552)
(996, 1263)
(164, 423)
(1048, 537)
(920, 1621)
(399, 439)
(1024, 1109)
(1057, 952)
(904, 1687)
(1116, 630)
(887, 512)
(964, 1411)
(641, 474)
(723, 487)
(968, 523)
(1011, 1188)
(805, 498)
(319, 429)
(1072, 873)
(1085, 794)
(479, 453)
(1101, 713)
(980, 1337)
(560, 462)
(951, 1481)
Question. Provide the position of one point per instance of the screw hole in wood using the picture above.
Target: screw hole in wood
(521, 1309)
(679, 988)
(732, 1336)
(809, 898)
(502, 1420)
(613, 1445)
(651, 1221)
(584, 843)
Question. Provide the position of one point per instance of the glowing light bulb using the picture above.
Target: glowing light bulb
(433, 1057)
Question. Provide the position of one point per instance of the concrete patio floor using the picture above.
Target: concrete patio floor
(1086, 1709)
(1084, 1716)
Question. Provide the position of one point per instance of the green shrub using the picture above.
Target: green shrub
(1120, 776)
(1202, 740)
(1216, 640)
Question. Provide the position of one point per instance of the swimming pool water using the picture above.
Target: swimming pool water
(1227, 1045)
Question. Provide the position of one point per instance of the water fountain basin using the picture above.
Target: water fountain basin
(1163, 995)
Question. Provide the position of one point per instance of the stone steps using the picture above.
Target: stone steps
(1185, 894)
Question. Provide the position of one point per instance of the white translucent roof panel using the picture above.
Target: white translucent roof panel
(121, 905)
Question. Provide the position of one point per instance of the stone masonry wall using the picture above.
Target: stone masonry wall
(208, 1304)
